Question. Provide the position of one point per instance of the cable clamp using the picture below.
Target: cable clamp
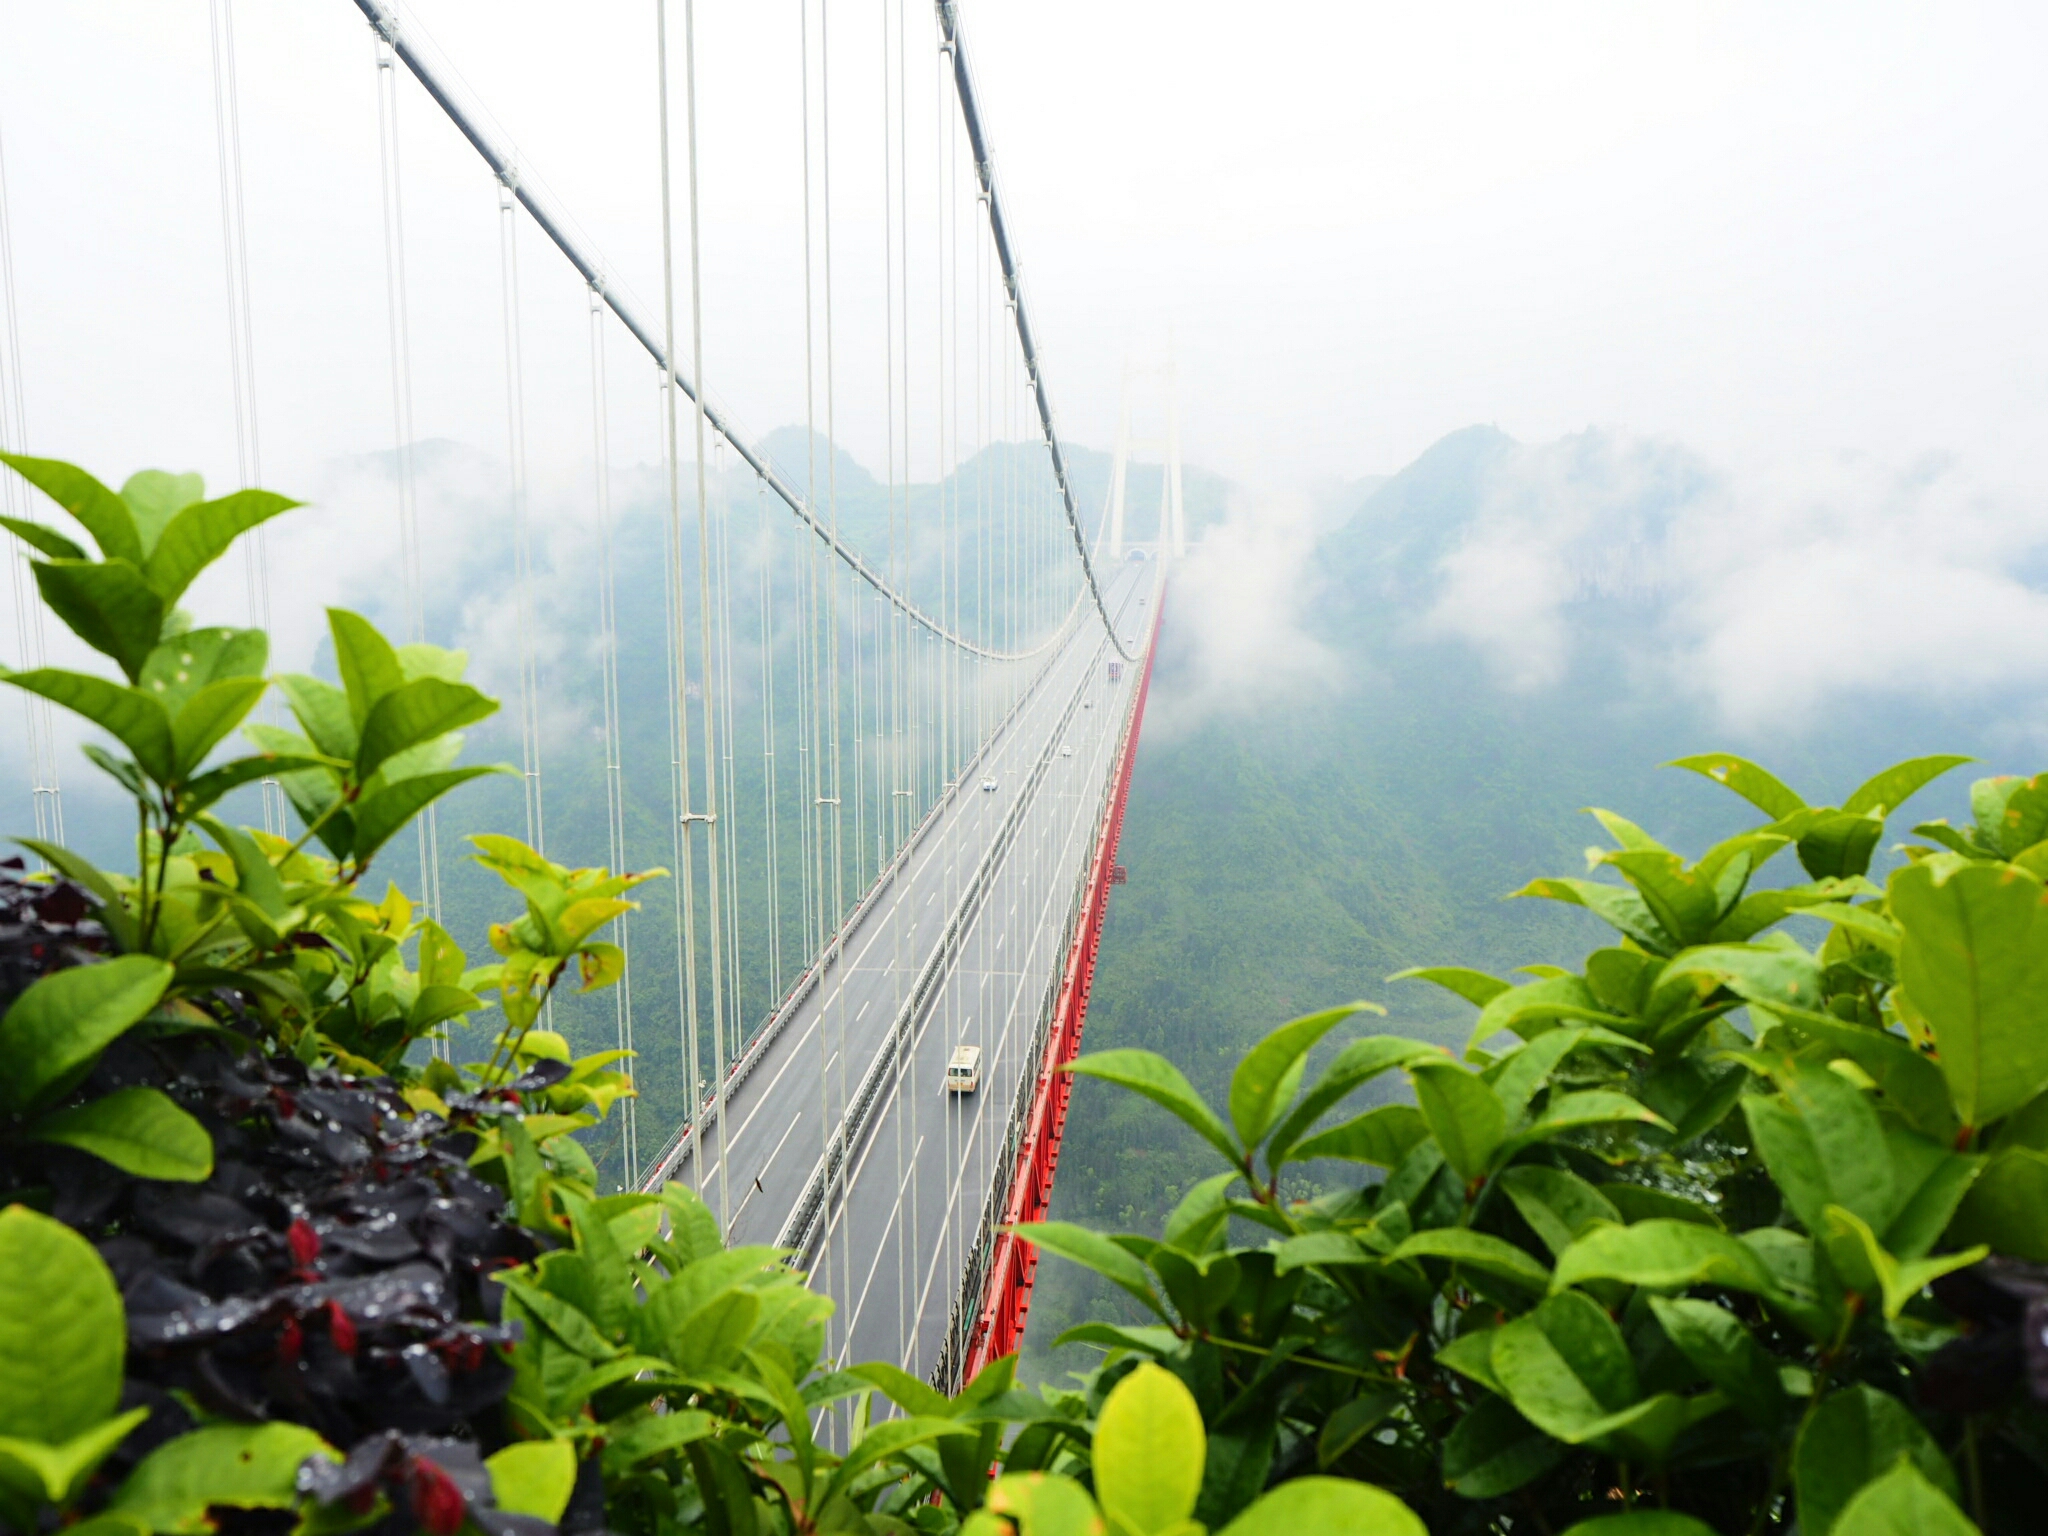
(706, 817)
(823, 800)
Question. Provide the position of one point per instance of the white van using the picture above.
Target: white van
(963, 1072)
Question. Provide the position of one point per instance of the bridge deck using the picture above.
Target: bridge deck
(904, 1212)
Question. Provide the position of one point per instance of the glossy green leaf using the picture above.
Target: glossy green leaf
(323, 713)
(107, 605)
(1463, 1113)
(415, 712)
(1320, 1248)
(1565, 1366)
(139, 1130)
(1836, 844)
(63, 1334)
(383, 815)
(1475, 987)
(34, 1470)
(233, 1466)
(1853, 1436)
(1558, 1206)
(534, 1477)
(1381, 1137)
(182, 665)
(99, 510)
(155, 496)
(1903, 1502)
(1353, 1066)
(1039, 1504)
(1664, 1255)
(369, 667)
(1642, 1522)
(1887, 791)
(207, 718)
(200, 534)
(134, 719)
(1714, 1340)
(1620, 908)
(1148, 1451)
(2007, 1206)
(1863, 1265)
(45, 541)
(1152, 1075)
(68, 1017)
(1327, 1504)
(1269, 1074)
(1975, 962)
(1494, 1450)
(1477, 1250)
(1091, 1250)
(1762, 790)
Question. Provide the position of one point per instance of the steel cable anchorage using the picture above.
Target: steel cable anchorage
(555, 225)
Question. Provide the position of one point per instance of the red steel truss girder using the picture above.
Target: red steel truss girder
(1013, 1265)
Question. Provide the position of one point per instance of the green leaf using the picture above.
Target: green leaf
(107, 605)
(635, 1440)
(1538, 1005)
(68, 1017)
(1327, 1504)
(1664, 1255)
(1853, 1436)
(63, 1335)
(1320, 1248)
(46, 541)
(534, 1477)
(1477, 1250)
(1352, 1067)
(1521, 1074)
(1861, 1261)
(1685, 902)
(1642, 1522)
(1622, 909)
(1713, 1339)
(32, 1469)
(713, 1337)
(1091, 1250)
(1265, 1081)
(1036, 1504)
(1380, 1136)
(1903, 1502)
(1471, 1356)
(1475, 987)
(1575, 1111)
(1975, 963)
(1465, 1115)
(323, 713)
(369, 667)
(209, 787)
(205, 722)
(1759, 788)
(139, 1130)
(1558, 1206)
(237, 1466)
(104, 514)
(1494, 1450)
(132, 718)
(255, 876)
(1152, 1075)
(1565, 1366)
(1148, 1452)
(1889, 790)
(1773, 974)
(2007, 1207)
(416, 712)
(879, 1444)
(383, 815)
(155, 496)
(179, 667)
(200, 534)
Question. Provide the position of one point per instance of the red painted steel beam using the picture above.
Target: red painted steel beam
(1006, 1293)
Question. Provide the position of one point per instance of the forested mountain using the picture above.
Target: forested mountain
(1511, 633)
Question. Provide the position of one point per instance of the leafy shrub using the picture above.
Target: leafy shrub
(1700, 1229)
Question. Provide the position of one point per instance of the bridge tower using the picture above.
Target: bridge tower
(1173, 527)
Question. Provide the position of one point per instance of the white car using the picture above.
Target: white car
(963, 1072)
(988, 786)
(1066, 751)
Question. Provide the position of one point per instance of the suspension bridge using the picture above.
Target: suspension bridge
(886, 722)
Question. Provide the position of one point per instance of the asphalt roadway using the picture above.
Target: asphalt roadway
(903, 1212)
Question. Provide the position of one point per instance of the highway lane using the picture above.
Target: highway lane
(917, 1182)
